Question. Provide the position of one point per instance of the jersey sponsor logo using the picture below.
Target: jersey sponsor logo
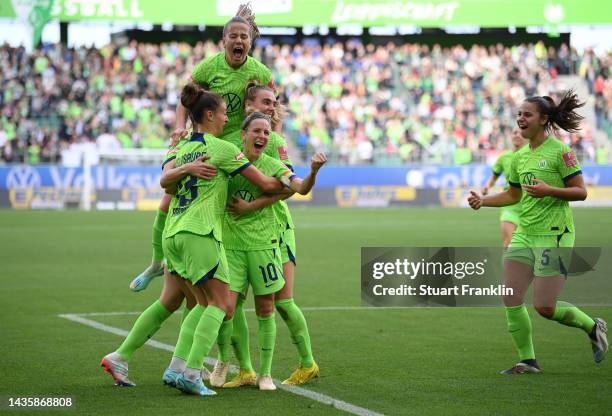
(233, 102)
(23, 177)
(244, 194)
(528, 178)
(283, 154)
(570, 159)
(239, 156)
(542, 164)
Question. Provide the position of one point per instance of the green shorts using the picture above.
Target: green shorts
(548, 255)
(287, 246)
(261, 268)
(196, 257)
(510, 214)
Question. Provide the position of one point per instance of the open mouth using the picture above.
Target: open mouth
(258, 146)
(522, 126)
(237, 52)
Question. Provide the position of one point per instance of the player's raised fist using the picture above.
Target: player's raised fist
(317, 161)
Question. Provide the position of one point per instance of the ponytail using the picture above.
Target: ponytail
(197, 101)
(244, 15)
(562, 115)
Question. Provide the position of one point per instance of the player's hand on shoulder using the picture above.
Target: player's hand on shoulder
(317, 161)
(177, 135)
(474, 200)
(201, 170)
(539, 189)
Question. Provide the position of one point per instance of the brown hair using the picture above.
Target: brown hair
(252, 89)
(255, 115)
(197, 101)
(562, 115)
(244, 15)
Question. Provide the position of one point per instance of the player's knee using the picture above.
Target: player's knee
(546, 311)
(265, 310)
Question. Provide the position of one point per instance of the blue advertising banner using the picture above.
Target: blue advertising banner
(141, 177)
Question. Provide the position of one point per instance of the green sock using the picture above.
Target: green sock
(147, 324)
(293, 317)
(188, 327)
(266, 337)
(519, 326)
(224, 340)
(240, 337)
(568, 314)
(186, 312)
(205, 336)
(158, 230)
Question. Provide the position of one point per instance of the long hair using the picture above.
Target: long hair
(562, 115)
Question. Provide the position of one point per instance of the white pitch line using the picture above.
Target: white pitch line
(318, 397)
(305, 308)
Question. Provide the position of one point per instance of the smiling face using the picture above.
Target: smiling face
(237, 41)
(529, 120)
(256, 138)
(265, 102)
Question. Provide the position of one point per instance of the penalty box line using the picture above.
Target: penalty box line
(300, 391)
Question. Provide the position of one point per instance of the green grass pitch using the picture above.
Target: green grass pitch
(406, 361)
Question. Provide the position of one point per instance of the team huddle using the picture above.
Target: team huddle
(223, 226)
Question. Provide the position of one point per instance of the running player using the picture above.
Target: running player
(544, 176)
(227, 74)
(509, 217)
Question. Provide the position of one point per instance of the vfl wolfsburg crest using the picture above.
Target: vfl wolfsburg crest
(542, 164)
(35, 13)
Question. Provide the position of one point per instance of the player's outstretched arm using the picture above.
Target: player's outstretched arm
(574, 191)
(303, 186)
(172, 174)
(502, 199)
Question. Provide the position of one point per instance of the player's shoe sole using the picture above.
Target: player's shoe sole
(117, 371)
(303, 375)
(141, 282)
(599, 341)
(521, 368)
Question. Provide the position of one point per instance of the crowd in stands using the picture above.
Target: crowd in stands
(362, 104)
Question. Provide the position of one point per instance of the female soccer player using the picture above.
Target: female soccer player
(509, 217)
(170, 299)
(262, 98)
(544, 176)
(225, 73)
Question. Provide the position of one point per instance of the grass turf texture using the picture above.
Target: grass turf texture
(409, 361)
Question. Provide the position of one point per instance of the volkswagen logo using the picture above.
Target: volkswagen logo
(23, 177)
(528, 179)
